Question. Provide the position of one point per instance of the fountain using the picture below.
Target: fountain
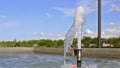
(79, 21)
(55, 61)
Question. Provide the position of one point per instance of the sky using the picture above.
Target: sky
(51, 19)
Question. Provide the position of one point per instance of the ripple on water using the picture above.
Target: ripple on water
(51, 61)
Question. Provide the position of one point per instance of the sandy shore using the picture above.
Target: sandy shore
(86, 52)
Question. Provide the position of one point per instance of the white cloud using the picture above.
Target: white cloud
(119, 28)
(49, 35)
(48, 15)
(111, 32)
(116, 8)
(112, 24)
(35, 33)
(42, 34)
(10, 24)
(90, 33)
(111, 5)
(107, 33)
(65, 11)
(61, 38)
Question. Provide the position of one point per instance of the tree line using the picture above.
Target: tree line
(87, 42)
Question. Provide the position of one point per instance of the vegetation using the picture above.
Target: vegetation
(31, 43)
(86, 41)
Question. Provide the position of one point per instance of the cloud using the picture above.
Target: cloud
(111, 5)
(34, 33)
(48, 15)
(112, 24)
(39, 34)
(66, 11)
(49, 35)
(111, 32)
(89, 33)
(10, 24)
(107, 33)
(116, 8)
(42, 34)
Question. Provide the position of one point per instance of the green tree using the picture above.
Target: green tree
(60, 43)
(86, 41)
(74, 44)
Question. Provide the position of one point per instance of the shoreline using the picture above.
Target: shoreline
(86, 52)
(16, 50)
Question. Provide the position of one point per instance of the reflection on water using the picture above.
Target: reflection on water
(51, 61)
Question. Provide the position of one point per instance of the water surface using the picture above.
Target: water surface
(51, 61)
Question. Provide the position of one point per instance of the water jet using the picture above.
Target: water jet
(76, 29)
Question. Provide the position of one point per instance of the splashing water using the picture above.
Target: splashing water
(79, 21)
(69, 66)
(96, 63)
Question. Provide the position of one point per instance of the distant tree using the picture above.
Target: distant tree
(94, 41)
(60, 43)
(74, 44)
(14, 42)
(86, 41)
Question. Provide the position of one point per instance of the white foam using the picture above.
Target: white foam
(67, 65)
(84, 65)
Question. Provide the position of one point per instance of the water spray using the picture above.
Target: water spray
(79, 21)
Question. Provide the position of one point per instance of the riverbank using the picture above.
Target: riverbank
(86, 52)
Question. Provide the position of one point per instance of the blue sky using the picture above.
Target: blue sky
(51, 19)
